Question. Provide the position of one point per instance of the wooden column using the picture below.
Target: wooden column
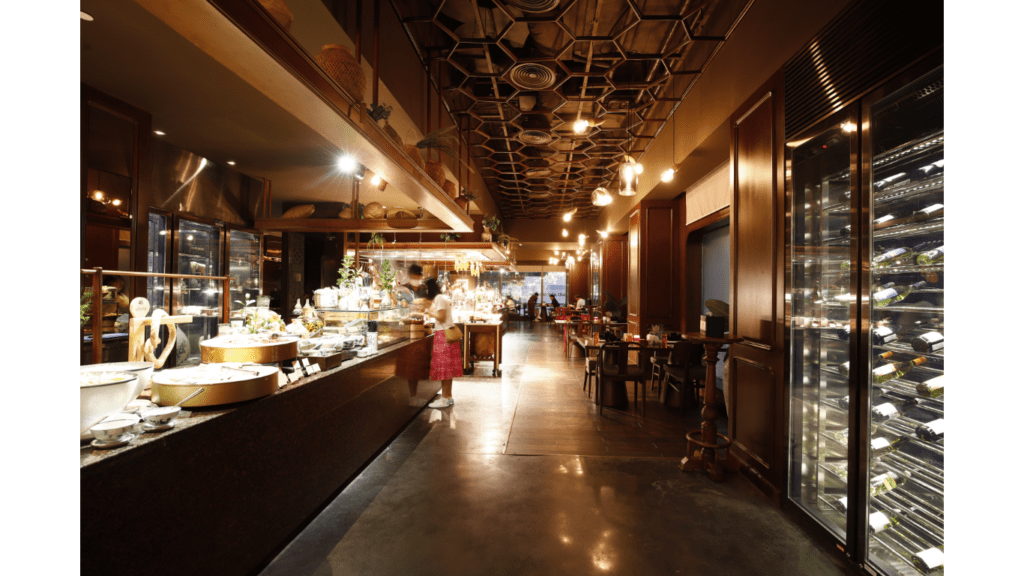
(654, 260)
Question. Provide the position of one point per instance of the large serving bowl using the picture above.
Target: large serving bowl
(144, 370)
(103, 394)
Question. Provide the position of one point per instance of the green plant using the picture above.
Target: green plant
(470, 196)
(347, 273)
(84, 304)
(387, 276)
(448, 237)
(376, 239)
(491, 222)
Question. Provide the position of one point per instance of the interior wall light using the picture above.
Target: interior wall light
(668, 175)
(159, 132)
(231, 162)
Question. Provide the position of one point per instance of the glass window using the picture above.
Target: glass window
(198, 254)
(554, 285)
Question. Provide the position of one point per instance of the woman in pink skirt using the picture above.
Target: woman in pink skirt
(446, 361)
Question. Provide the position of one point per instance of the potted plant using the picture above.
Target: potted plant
(376, 240)
(464, 200)
(387, 284)
(490, 224)
(449, 237)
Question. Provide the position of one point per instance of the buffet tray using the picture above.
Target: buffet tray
(214, 352)
(167, 393)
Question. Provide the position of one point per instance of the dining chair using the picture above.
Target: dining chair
(686, 369)
(618, 369)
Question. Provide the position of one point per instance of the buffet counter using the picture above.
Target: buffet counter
(222, 490)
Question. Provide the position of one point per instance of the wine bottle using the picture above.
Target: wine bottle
(893, 295)
(933, 211)
(932, 431)
(928, 561)
(886, 482)
(882, 445)
(894, 408)
(844, 332)
(895, 257)
(887, 372)
(844, 368)
(877, 287)
(932, 388)
(928, 342)
(883, 335)
(931, 257)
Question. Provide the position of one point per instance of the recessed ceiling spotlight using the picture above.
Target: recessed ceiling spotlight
(159, 132)
(565, 233)
(86, 16)
(231, 162)
(668, 175)
(375, 180)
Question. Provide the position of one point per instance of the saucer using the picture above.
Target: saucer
(147, 427)
(104, 445)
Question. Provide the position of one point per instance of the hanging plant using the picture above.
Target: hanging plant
(376, 239)
(347, 273)
(448, 237)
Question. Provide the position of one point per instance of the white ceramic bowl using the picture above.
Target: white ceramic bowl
(161, 416)
(100, 400)
(115, 428)
(144, 370)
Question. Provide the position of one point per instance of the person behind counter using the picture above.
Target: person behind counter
(580, 302)
(413, 289)
(446, 358)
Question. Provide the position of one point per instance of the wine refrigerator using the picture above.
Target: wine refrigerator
(864, 307)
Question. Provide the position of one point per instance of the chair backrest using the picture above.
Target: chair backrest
(583, 328)
(686, 353)
(621, 362)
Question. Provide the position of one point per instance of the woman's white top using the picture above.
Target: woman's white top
(581, 303)
(441, 302)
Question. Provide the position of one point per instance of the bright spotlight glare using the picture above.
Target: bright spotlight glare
(639, 168)
(347, 164)
(375, 180)
(580, 126)
(565, 233)
(668, 175)
(567, 217)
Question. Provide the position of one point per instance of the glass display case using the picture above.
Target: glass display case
(906, 451)
(391, 325)
(199, 253)
(821, 309)
(244, 260)
(158, 260)
(865, 307)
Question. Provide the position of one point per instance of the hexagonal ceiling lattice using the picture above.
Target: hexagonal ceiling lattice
(517, 74)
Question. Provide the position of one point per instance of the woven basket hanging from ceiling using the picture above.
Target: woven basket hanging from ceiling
(342, 67)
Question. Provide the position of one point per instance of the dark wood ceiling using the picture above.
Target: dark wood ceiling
(517, 74)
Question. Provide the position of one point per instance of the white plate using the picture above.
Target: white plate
(105, 445)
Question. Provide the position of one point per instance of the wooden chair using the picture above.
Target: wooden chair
(582, 329)
(684, 372)
(618, 369)
(590, 370)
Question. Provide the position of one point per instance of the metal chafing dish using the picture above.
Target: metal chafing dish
(257, 349)
(223, 383)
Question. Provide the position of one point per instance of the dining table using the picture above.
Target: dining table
(614, 394)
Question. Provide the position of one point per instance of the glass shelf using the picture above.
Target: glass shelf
(933, 226)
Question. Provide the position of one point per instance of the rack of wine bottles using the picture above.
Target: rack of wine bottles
(907, 305)
(901, 317)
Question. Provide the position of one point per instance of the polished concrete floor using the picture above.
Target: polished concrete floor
(522, 476)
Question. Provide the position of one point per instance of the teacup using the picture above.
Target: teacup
(161, 416)
(116, 428)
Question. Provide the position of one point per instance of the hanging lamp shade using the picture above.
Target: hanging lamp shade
(601, 197)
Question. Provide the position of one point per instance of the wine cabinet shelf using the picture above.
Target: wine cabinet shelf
(904, 348)
(913, 150)
(909, 191)
(920, 309)
(931, 226)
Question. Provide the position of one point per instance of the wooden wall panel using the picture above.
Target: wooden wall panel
(632, 305)
(755, 425)
(758, 409)
(578, 281)
(659, 254)
(754, 218)
(614, 271)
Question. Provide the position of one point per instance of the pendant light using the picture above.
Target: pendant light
(670, 173)
(601, 197)
(629, 170)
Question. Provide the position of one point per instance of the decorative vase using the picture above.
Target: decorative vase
(386, 301)
(485, 236)
(451, 189)
(463, 202)
(342, 67)
(435, 170)
(279, 10)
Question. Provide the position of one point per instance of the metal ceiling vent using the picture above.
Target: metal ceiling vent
(532, 76)
(533, 5)
(534, 137)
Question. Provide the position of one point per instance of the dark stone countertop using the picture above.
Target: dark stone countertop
(89, 456)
